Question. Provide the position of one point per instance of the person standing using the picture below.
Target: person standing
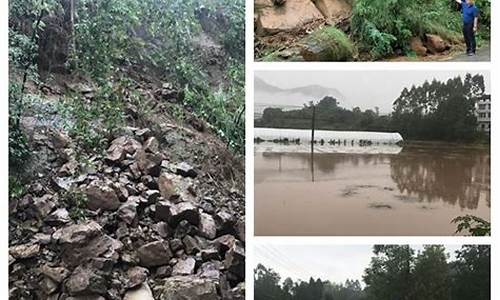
(470, 16)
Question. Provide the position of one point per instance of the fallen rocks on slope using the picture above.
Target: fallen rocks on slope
(154, 217)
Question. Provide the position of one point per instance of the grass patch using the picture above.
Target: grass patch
(328, 44)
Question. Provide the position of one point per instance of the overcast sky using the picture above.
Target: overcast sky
(335, 263)
(365, 89)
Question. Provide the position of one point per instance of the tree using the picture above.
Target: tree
(471, 273)
(266, 285)
(389, 275)
(431, 274)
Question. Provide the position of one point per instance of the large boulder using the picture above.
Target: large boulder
(417, 46)
(78, 233)
(291, 15)
(436, 44)
(333, 9)
(189, 288)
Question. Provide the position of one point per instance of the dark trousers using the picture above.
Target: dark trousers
(470, 37)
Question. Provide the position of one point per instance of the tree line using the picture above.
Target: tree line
(435, 110)
(396, 272)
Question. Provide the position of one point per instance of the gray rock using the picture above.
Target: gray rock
(235, 260)
(143, 292)
(101, 248)
(24, 251)
(78, 233)
(57, 274)
(184, 211)
(85, 280)
(184, 267)
(48, 286)
(191, 245)
(188, 287)
(120, 147)
(136, 276)
(44, 205)
(128, 210)
(186, 170)
(207, 227)
(151, 145)
(210, 270)
(59, 217)
(154, 254)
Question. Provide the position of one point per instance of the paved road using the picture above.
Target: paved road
(482, 54)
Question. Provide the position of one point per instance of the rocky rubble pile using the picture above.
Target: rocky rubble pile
(132, 224)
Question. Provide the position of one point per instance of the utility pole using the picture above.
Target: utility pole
(312, 126)
(312, 140)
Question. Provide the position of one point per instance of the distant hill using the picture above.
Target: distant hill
(268, 95)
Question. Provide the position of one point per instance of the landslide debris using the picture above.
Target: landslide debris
(160, 212)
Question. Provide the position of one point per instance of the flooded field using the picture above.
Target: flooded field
(416, 190)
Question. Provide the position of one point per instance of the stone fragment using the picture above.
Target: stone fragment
(148, 163)
(154, 254)
(184, 267)
(191, 245)
(288, 17)
(188, 287)
(151, 145)
(120, 147)
(136, 276)
(57, 274)
(184, 211)
(59, 217)
(167, 187)
(101, 196)
(186, 170)
(24, 251)
(143, 292)
(128, 210)
(234, 261)
(207, 227)
(78, 233)
(436, 44)
(102, 249)
(210, 270)
(48, 286)
(44, 205)
(85, 280)
(417, 46)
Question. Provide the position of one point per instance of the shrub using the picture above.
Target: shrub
(384, 27)
(328, 44)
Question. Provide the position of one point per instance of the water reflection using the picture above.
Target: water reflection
(429, 174)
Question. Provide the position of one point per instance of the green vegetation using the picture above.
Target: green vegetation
(76, 201)
(395, 272)
(437, 111)
(475, 226)
(384, 28)
(334, 44)
(118, 44)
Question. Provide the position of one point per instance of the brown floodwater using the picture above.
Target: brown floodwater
(416, 192)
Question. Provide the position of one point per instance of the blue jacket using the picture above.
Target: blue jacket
(469, 12)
